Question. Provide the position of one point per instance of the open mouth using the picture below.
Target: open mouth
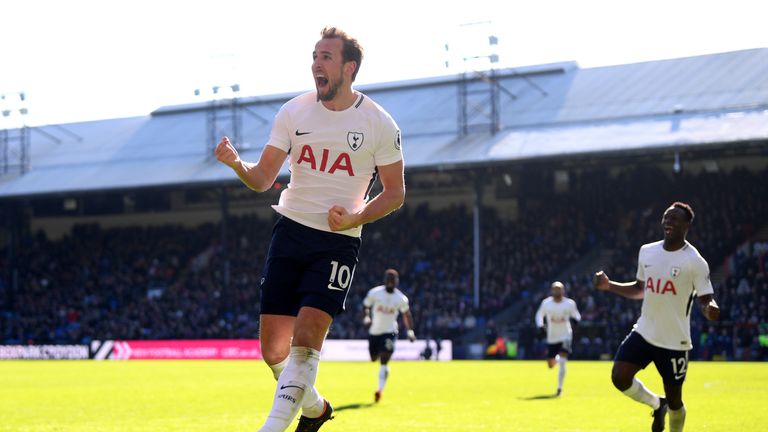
(667, 230)
(321, 81)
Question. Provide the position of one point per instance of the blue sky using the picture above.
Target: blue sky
(81, 60)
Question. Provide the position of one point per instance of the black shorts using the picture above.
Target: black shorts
(672, 365)
(307, 267)
(561, 347)
(378, 344)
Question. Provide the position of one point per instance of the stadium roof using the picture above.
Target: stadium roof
(547, 110)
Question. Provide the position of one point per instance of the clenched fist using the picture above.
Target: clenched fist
(339, 219)
(225, 152)
(600, 281)
(712, 311)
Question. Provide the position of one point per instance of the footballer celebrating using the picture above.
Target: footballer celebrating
(671, 275)
(381, 307)
(558, 311)
(337, 141)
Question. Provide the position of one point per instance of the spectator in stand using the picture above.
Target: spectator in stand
(167, 282)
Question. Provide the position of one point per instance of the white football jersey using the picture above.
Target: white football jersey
(333, 156)
(385, 308)
(558, 316)
(672, 281)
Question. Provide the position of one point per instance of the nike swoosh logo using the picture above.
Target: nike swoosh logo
(289, 386)
(331, 287)
(679, 377)
(647, 265)
(301, 133)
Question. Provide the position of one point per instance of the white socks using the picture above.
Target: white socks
(383, 374)
(294, 388)
(314, 404)
(561, 373)
(640, 393)
(677, 419)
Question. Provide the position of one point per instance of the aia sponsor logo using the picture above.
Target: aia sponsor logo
(660, 287)
(341, 162)
(386, 309)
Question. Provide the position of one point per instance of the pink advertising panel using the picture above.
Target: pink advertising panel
(216, 349)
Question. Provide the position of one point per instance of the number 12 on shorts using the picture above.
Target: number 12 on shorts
(679, 366)
(341, 276)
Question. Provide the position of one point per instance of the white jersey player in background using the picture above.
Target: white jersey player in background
(671, 274)
(558, 311)
(381, 307)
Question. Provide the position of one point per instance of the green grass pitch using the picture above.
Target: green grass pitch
(420, 396)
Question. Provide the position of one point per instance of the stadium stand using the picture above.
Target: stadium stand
(168, 282)
(126, 228)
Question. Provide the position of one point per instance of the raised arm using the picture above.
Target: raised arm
(631, 290)
(390, 199)
(257, 176)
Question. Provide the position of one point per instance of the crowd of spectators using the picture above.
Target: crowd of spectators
(744, 295)
(172, 282)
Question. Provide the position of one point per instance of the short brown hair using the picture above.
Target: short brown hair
(351, 49)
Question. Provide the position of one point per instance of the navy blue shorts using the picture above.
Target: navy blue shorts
(561, 347)
(378, 344)
(672, 365)
(307, 267)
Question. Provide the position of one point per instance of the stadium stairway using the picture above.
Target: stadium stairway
(720, 274)
(596, 259)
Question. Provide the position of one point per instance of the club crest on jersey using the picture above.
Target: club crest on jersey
(355, 140)
(675, 271)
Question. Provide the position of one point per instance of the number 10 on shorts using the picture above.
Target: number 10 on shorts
(341, 276)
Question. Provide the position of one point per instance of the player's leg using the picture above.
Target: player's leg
(673, 367)
(275, 335)
(623, 376)
(324, 288)
(386, 355)
(373, 347)
(674, 394)
(284, 292)
(278, 299)
(279, 308)
(297, 380)
(552, 352)
(314, 331)
(562, 358)
(634, 354)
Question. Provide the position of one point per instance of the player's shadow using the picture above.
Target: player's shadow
(353, 406)
(539, 397)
